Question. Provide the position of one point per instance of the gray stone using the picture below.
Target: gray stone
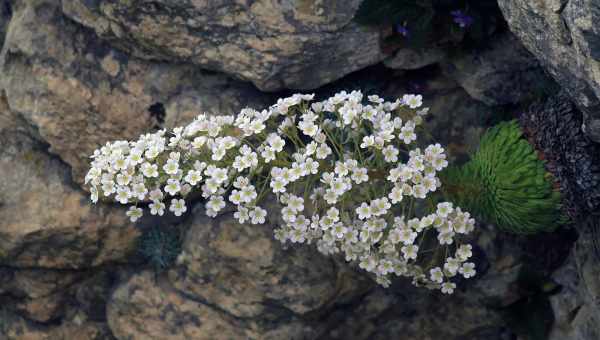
(412, 59)
(563, 35)
(503, 73)
(577, 307)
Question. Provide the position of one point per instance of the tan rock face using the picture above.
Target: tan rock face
(79, 93)
(14, 327)
(143, 308)
(46, 222)
(242, 269)
(274, 44)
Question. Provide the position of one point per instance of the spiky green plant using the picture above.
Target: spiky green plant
(505, 183)
(160, 247)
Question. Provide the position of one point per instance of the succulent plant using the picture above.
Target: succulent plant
(505, 183)
(160, 246)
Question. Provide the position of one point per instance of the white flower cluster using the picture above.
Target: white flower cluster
(344, 171)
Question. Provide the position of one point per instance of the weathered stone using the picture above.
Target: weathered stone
(577, 307)
(276, 45)
(147, 307)
(37, 293)
(14, 327)
(503, 73)
(242, 269)
(404, 312)
(80, 93)
(45, 220)
(564, 36)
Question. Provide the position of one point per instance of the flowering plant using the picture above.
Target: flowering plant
(344, 172)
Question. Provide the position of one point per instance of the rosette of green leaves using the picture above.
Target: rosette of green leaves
(505, 183)
(160, 247)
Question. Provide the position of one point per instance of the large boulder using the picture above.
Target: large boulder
(245, 271)
(79, 93)
(274, 44)
(148, 307)
(565, 37)
(233, 281)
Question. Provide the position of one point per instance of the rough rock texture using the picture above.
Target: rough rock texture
(46, 221)
(232, 281)
(14, 327)
(577, 307)
(565, 37)
(242, 269)
(552, 126)
(147, 308)
(502, 73)
(80, 93)
(275, 44)
(412, 59)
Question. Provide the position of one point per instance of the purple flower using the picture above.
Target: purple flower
(461, 18)
(403, 30)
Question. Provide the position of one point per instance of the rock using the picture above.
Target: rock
(412, 59)
(242, 269)
(564, 37)
(147, 307)
(275, 45)
(14, 327)
(5, 14)
(577, 306)
(404, 312)
(503, 73)
(552, 127)
(45, 221)
(38, 294)
(80, 93)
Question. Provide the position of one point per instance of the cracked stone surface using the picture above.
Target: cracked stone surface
(274, 44)
(564, 36)
(80, 93)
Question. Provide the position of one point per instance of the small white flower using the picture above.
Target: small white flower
(363, 211)
(150, 170)
(359, 175)
(134, 213)
(242, 214)
(464, 252)
(467, 270)
(413, 101)
(436, 275)
(410, 251)
(390, 154)
(193, 177)
(171, 167)
(123, 195)
(173, 186)
(258, 215)
(178, 207)
(216, 203)
(157, 208)
(448, 287)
